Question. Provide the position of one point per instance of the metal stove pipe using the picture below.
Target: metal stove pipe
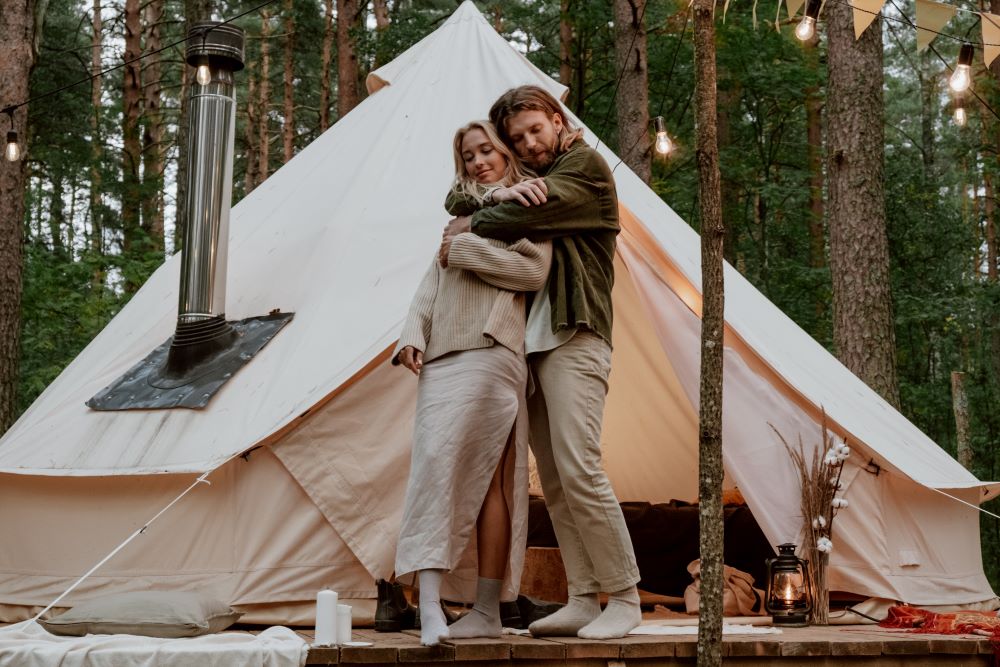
(216, 49)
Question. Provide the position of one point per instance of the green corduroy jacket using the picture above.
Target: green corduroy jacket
(580, 217)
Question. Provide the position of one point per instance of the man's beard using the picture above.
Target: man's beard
(540, 160)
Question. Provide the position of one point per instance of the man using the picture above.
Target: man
(569, 346)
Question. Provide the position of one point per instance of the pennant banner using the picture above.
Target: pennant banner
(991, 37)
(865, 13)
(794, 6)
(931, 17)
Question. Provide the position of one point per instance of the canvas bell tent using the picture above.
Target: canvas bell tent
(310, 442)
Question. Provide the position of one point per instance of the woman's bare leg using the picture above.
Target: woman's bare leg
(493, 524)
(493, 537)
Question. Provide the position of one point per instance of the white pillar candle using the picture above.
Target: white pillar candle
(326, 618)
(343, 623)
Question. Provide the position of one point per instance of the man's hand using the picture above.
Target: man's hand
(532, 191)
(454, 227)
(412, 358)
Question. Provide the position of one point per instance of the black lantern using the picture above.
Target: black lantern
(789, 598)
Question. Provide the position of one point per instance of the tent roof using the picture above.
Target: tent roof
(341, 235)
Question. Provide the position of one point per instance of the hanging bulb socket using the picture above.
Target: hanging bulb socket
(13, 150)
(214, 47)
(663, 144)
(806, 28)
(961, 78)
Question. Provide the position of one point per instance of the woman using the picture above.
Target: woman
(464, 338)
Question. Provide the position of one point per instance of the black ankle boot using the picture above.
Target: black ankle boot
(393, 613)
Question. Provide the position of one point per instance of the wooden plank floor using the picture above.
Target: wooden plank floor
(855, 645)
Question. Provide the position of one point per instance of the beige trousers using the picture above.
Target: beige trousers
(565, 413)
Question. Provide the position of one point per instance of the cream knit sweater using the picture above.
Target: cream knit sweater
(478, 299)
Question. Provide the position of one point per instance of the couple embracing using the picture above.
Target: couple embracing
(520, 288)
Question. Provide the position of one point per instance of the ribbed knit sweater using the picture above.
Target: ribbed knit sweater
(478, 299)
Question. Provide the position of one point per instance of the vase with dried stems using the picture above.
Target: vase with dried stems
(819, 479)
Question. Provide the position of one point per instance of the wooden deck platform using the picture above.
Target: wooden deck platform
(854, 645)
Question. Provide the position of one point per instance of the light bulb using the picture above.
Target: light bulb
(960, 79)
(806, 28)
(960, 116)
(962, 76)
(663, 143)
(204, 75)
(13, 150)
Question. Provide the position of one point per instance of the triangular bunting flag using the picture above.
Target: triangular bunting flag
(991, 37)
(931, 17)
(794, 6)
(865, 12)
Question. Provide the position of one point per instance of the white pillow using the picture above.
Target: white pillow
(166, 614)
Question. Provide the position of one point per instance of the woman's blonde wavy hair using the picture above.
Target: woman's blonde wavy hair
(514, 172)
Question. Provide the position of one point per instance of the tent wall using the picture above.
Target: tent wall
(896, 540)
(252, 537)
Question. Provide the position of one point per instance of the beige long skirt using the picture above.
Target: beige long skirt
(468, 405)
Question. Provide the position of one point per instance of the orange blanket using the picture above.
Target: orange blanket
(947, 623)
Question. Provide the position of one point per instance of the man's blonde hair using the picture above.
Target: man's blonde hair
(531, 98)
(514, 172)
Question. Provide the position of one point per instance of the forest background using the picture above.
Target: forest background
(105, 163)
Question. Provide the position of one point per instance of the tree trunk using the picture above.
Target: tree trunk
(633, 91)
(17, 58)
(194, 11)
(565, 44)
(263, 109)
(960, 406)
(57, 215)
(729, 101)
(929, 101)
(863, 331)
(347, 57)
(324, 83)
(152, 140)
(288, 127)
(251, 176)
(381, 8)
(131, 142)
(96, 144)
(814, 158)
(712, 324)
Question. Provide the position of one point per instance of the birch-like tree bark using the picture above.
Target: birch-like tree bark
(713, 233)
(633, 92)
(863, 332)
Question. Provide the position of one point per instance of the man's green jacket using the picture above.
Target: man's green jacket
(580, 217)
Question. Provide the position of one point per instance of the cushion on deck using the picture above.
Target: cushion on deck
(166, 614)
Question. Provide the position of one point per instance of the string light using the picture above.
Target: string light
(13, 150)
(807, 26)
(663, 144)
(961, 117)
(204, 74)
(961, 78)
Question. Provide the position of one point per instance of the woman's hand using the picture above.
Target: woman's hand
(412, 358)
(528, 192)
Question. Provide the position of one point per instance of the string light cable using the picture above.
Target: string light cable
(663, 94)
(202, 34)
